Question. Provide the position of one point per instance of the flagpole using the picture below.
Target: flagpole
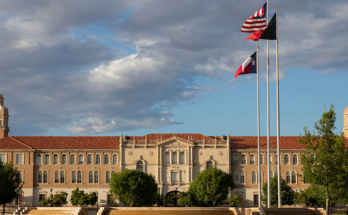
(278, 116)
(268, 128)
(258, 128)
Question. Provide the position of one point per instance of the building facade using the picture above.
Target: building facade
(53, 164)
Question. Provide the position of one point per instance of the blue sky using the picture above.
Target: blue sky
(149, 66)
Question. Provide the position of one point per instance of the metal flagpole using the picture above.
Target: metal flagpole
(268, 128)
(278, 117)
(258, 128)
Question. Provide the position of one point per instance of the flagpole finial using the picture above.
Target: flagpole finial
(257, 45)
(276, 7)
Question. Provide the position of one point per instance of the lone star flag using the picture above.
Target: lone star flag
(269, 33)
(249, 66)
(256, 22)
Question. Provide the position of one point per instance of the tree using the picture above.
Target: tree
(311, 196)
(92, 198)
(55, 201)
(10, 183)
(134, 187)
(325, 162)
(78, 197)
(235, 201)
(186, 198)
(287, 193)
(170, 198)
(211, 187)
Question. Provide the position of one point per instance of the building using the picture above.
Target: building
(54, 164)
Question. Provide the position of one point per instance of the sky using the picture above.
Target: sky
(83, 67)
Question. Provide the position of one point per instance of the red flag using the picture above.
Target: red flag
(256, 35)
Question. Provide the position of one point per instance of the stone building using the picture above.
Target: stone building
(54, 164)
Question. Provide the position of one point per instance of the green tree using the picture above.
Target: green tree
(287, 193)
(311, 196)
(134, 187)
(10, 183)
(170, 198)
(55, 201)
(211, 187)
(160, 201)
(186, 198)
(92, 198)
(235, 201)
(79, 197)
(325, 162)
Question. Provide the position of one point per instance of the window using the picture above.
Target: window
(256, 199)
(175, 177)
(3, 158)
(293, 177)
(288, 177)
(56, 176)
(96, 177)
(252, 159)
(38, 159)
(97, 159)
(253, 177)
(90, 177)
(73, 177)
(235, 159)
(242, 177)
(106, 159)
(41, 197)
(270, 174)
(304, 179)
(236, 177)
(261, 159)
(89, 159)
(114, 159)
(80, 158)
(62, 177)
(107, 177)
(45, 177)
(276, 158)
(175, 158)
(39, 176)
(19, 158)
(64, 159)
(167, 158)
(72, 159)
(140, 166)
(47, 158)
(243, 159)
(210, 164)
(270, 159)
(79, 176)
(182, 157)
(294, 159)
(55, 159)
(108, 199)
(286, 159)
(21, 175)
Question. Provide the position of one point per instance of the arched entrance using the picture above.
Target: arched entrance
(172, 198)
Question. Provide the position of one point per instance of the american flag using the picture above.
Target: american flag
(256, 22)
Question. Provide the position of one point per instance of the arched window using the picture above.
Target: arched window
(55, 159)
(286, 159)
(39, 176)
(175, 158)
(235, 159)
(80, 158)
(62, 177)
(243, 159)
(72, 159)
(261, 159)
(106, 159)
(89, 159)
(114, 159)
(38, 159)
(79, 176)
(56, 176)
(45, 177)
(236, 177)
(288, 177)
(304, 179)
(64, 159)
(293, 177)
(140, 166)
(107, 177)
(182, 157)
(90, 177)
(97, 159)
(276, 158)
(253, 177)
(47, 159)
(270, 159)
(294, 159)
(252, 159)
(96, 177)
(167, 158)
(242, 177)
(73, 177)
(210, 164)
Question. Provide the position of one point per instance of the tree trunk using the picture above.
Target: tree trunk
(3, 209)
(327, 206)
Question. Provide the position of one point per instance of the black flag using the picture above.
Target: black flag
(270, 33)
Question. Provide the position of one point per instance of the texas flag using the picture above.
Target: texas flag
(249, 66)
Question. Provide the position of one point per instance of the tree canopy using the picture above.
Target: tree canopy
(325, 162)
(134, 187)
(55, 201)
(211, 187)
(10, 183)
(79, 197)
(287, 193)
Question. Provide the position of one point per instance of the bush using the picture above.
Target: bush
(78, 197)
(55, 201)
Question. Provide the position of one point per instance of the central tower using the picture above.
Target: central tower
(4, 129)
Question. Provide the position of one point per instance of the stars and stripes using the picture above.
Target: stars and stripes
(256, 22)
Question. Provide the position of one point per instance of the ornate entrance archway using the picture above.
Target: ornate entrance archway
(175, 200)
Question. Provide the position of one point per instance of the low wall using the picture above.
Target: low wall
(169, 211)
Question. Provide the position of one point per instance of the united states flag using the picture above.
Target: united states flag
(257, 21)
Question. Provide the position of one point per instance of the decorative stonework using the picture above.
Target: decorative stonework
(150, 153)
(221, 153)
(200, 153)
(175, 144)
(291, 168)
(274, 168)
(130, 153)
